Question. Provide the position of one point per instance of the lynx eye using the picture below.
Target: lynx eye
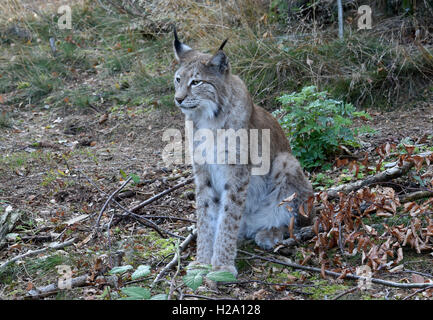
(195, 83)
(177, 79)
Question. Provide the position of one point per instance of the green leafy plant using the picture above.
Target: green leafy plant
(140, 293)
(316, 125)
(322, 181)
(193, 279)
(135, 177)
(195, 275)
(136, 292)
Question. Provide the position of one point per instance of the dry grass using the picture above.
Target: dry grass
(379, 69)
(370, 69)
(13, 10)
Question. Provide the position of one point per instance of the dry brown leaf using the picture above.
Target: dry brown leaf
(418, 162)
(302, 212)
(291, 227)
(288, 199)
(322, 271)
(103, 118)
(341, 162)
(399, 255)
(29, 286)
(409, 148)
(416, 278)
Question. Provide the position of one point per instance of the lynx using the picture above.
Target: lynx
(232, 204)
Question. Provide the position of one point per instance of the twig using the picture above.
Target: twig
(36, 238)
(147, 223)
(427, 275)
(160, 195)
(32, 252)
(53, 288)
(416, 195)
(201, 297)
(345, 292)
(131, 212)
(172, 284)
(265, 283)
(418, 291)
(163, 259)
(110, 259)
(171, 218)
(173, 261)
(337, 274)
(109, 200)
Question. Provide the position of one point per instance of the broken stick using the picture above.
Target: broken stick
(160, 195)
(174, 261)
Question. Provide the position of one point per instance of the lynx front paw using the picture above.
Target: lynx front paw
(198, 265)
(193, 264)
(231, 269)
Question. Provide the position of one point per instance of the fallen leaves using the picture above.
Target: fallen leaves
(342, 222)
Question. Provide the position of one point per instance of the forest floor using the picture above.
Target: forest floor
(59, 165)
(54, 173)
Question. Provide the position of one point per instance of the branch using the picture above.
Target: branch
(415, 196)
(32, 252)
(109, 200)
(160, 195)
(386, 175)
(337, 275)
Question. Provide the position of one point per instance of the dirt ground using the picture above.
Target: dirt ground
(62, 164)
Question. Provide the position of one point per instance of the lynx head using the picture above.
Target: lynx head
(200, 81)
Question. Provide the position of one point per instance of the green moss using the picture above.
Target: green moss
(151, 246)
(323, 290)
(279, 277)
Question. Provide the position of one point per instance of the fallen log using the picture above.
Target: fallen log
(76, 282)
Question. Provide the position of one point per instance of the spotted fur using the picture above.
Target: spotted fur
(232, 203)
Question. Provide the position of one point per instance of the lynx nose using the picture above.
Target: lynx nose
(179, 100)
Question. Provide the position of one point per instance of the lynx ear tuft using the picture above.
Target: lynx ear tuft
(179, 48)
(223, 44)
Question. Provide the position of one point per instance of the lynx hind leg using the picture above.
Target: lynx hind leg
(289, 178)
(268, 238)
